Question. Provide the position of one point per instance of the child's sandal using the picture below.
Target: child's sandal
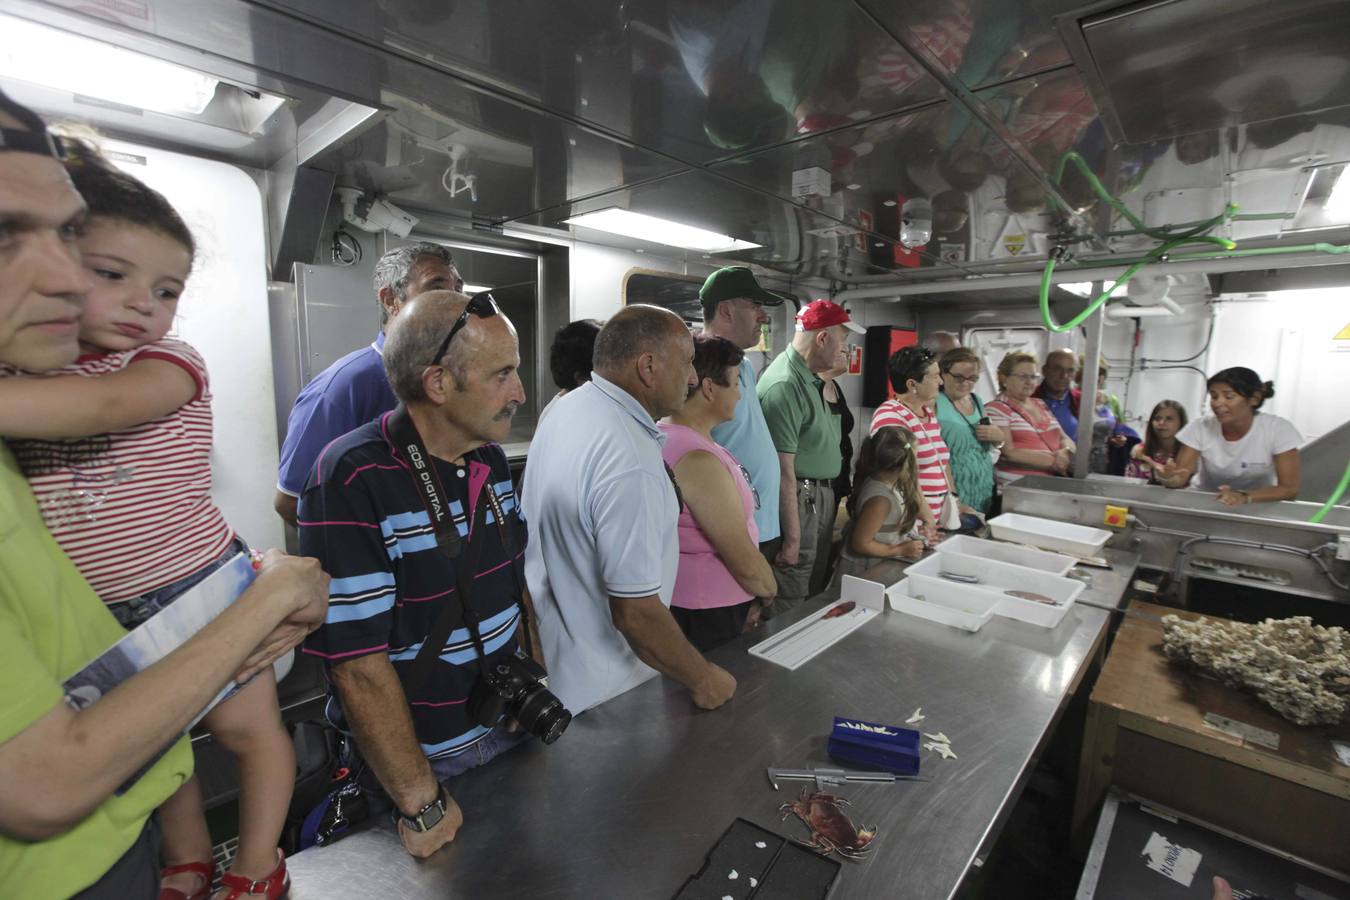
(206, 871)
(275, 886)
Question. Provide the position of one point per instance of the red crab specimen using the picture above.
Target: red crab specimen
(831, 829)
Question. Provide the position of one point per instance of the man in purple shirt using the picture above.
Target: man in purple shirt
(354, 390)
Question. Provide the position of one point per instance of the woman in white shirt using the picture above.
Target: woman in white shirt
(1242, 455)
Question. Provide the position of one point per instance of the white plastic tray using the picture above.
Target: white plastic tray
(802, 641)
(967, 611)
(1060, 537)
(995, 579)
(964, 544)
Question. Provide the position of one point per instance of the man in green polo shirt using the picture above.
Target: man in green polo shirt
(74, 820)
(806, 435)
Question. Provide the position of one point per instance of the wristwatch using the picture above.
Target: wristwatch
(429, 816)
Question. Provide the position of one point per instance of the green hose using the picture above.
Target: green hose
(1334, 498)
(1170, 241)
(1153, 256)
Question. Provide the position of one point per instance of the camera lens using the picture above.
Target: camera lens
(542, 714)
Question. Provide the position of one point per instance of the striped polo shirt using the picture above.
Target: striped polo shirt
(361, 516)
(930, 448)
(132, 509)
(1032, 427)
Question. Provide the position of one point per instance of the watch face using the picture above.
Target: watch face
(428, 817)
(431, 817)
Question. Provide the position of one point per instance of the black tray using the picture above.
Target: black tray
(780, 870)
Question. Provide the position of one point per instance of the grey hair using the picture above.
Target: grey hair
(395, 268)
(415, 336)
(632, 331)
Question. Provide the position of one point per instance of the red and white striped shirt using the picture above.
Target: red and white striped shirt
(132, 509)
(930, 449)
(1033, 427)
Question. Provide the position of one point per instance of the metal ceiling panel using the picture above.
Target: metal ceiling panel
(450, 148)
(982, 42)
(693, 79)
(795, 241)
(941, 156)
(1169, 68)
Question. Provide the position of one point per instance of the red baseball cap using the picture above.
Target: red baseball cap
(820, 314)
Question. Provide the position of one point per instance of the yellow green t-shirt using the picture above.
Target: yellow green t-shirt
(51, 624)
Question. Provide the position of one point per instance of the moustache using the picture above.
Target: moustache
(507, 412)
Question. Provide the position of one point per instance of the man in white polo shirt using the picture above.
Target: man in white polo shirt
(602, 511)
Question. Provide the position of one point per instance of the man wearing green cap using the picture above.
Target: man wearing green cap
(733, 308)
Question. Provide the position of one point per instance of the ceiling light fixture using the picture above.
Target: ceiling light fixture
(475, 288)
(57, 59)
(658, 231)
(1338, 201)
(1084, 289)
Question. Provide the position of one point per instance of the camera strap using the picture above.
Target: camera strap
(463, 556)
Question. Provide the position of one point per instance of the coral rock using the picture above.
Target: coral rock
(1299, 669)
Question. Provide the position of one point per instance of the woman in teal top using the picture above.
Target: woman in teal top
(959, 413)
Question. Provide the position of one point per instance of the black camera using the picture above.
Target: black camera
(517, 687)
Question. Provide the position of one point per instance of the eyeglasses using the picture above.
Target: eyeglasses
(1033, 378)
(749, 483)
(964, 379)
(482, 306)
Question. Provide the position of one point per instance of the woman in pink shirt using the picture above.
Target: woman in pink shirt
(1033, 442)
(721, 570)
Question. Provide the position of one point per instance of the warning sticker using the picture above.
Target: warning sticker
(1173, 860)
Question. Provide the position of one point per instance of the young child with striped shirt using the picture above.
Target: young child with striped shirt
(117, 449)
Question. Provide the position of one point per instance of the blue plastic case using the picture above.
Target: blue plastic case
(854, 742)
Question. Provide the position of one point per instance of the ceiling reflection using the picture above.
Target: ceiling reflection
(809, 127)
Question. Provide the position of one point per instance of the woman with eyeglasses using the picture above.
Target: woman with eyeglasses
(1033, 442)
(721, 572)
(970, 438)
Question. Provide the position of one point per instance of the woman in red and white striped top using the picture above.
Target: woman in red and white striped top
(1033, 442)
(915, 379)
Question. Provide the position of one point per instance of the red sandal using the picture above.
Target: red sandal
(206, 871)
(276, 885)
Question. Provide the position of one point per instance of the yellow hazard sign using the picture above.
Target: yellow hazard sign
(1343, 334)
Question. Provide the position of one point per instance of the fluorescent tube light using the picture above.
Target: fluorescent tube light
(1338, 201)
(658, 231)
(57, 59)
(1084, 289)
(476, 288)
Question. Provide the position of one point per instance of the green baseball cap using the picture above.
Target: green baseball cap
(730, 282)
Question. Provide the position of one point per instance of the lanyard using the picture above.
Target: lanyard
(1038, 430)
(463, 556)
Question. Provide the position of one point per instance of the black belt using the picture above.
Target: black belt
(823, 482)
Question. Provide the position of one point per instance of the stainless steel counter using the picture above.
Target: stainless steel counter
(1190, 534)
(627, 803)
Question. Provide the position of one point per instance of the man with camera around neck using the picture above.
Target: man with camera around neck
(409, 514)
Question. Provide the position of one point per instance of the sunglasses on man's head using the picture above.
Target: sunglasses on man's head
(482, 306)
